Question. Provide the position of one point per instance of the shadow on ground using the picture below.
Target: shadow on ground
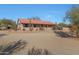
(63, 34)
(12, 47)
(3, 35)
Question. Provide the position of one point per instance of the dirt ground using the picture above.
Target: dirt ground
(42, 39)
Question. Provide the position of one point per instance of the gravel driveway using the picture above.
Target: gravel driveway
(43, 39)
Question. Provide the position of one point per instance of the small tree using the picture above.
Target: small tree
(73, 17)
(8, 23)
(62, 24)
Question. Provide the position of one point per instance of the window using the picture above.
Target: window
(26, 25)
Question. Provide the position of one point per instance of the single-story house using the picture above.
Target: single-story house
(33, 24)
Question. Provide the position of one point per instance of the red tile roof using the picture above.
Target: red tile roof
(26, 21)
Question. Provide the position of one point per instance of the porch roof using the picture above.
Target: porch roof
(27, 21)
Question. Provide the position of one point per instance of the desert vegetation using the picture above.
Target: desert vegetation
(71, 20)
(36, 51)
(72, 16)
(16, 46)
(7, 24)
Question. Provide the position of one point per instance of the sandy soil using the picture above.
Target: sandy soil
(45, 40)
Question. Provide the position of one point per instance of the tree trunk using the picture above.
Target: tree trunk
(77, 34)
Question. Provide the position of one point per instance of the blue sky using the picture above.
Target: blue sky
(48, 12)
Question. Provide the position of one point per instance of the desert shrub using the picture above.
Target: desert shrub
(36, 51)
